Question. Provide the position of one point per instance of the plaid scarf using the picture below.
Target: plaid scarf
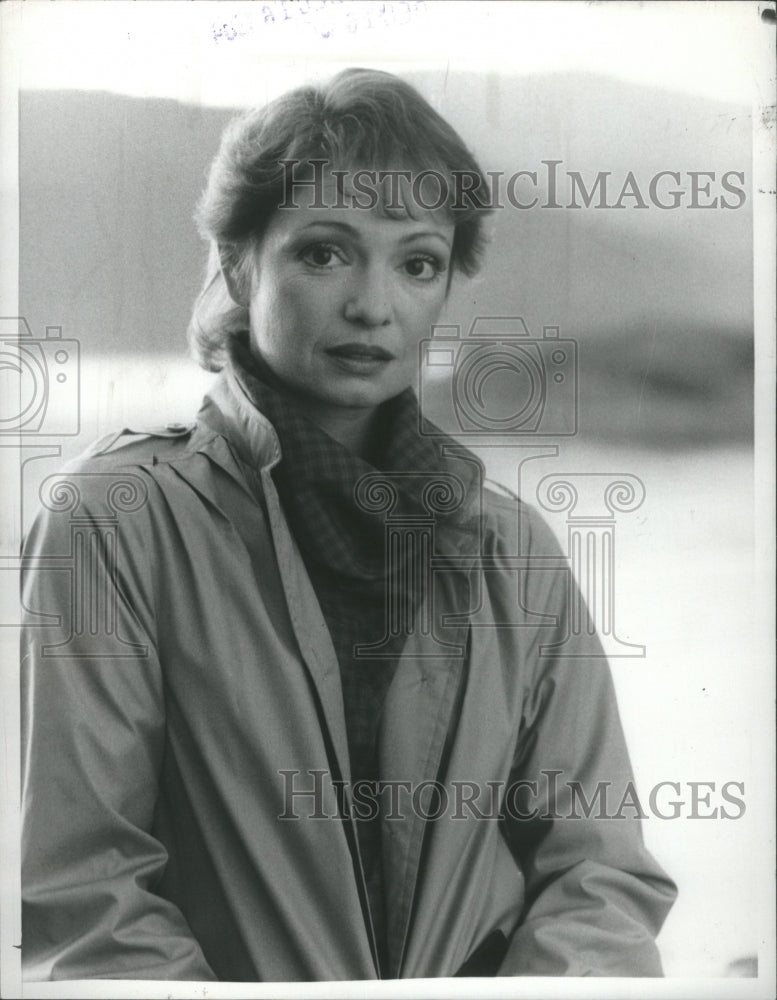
(344, 549)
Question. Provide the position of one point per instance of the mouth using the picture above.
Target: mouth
(360, 353)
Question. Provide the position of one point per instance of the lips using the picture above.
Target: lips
(360, 352)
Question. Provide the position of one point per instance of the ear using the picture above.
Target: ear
(234, 273)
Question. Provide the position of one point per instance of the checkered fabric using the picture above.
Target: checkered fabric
(343, 546)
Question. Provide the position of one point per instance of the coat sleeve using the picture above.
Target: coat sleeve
(595, 898)
(93, 724)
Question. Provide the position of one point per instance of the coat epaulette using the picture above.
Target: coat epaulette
(128, 436)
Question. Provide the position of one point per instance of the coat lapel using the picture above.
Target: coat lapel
(417, 716)
(310, 628)
(228, 412)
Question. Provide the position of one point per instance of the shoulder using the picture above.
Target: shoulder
(114, 476)
(130, 447)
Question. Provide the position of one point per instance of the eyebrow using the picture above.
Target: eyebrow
(353, 231)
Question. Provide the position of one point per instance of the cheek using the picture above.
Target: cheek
(422, 311)
(278, 314)
(310, 302)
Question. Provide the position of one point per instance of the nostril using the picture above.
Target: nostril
(369, 313)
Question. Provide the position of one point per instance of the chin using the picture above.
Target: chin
(361, 396)
(359, 400)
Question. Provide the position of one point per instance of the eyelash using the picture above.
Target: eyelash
(307, 251)
(437, 265)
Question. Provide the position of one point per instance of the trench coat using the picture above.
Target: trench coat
(181, 701)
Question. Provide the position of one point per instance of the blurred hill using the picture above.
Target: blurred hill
(691, 386)
(660, 302)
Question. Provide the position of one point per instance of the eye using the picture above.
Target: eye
(424, 267)
(323, 256)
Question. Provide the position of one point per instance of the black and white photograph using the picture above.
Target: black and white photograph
(387, 434)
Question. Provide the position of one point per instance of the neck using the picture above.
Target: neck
(354, 428)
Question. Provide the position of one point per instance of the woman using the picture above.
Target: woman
(308, 731)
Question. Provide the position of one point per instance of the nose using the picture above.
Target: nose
(369, 302)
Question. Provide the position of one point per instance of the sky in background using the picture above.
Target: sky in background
(209, 56)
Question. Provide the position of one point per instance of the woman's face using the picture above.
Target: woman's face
(341, 297)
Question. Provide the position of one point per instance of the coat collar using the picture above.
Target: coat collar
(228, 411)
